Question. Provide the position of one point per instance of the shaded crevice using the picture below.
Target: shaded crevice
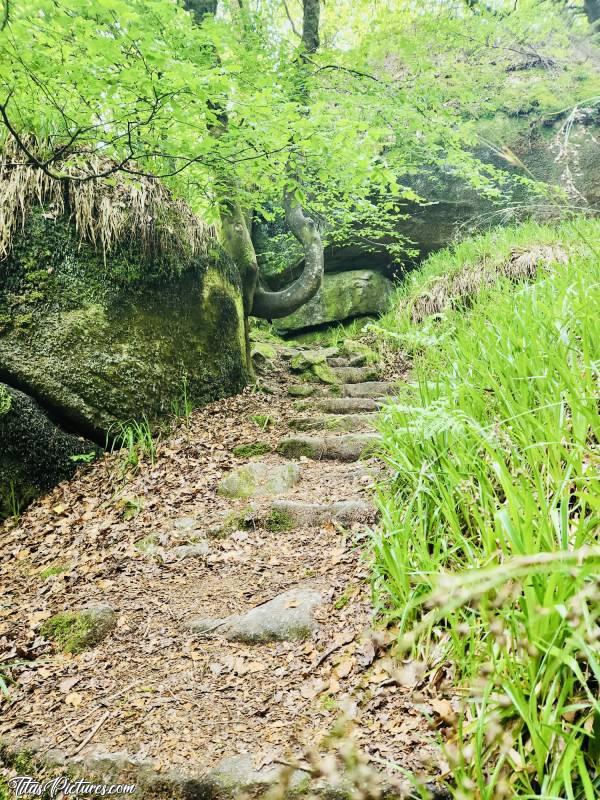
(69, 423)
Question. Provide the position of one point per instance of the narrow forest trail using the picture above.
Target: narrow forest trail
(234, 576)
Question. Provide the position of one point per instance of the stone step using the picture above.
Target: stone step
(258, 479)
(375, 389)
(238, 776)
(345, 375)
(348, 447)
(287, 514)
(357, 360)
(339, 405)
(286, 617)
(334, 422)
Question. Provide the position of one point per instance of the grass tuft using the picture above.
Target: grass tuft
(136, 442)
(105, 212)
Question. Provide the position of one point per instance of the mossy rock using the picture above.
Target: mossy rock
(75, 631)
(535, 138)
(35, 454)
(307, 359)
(342, 295)
(262, 355)
(259, 479)
(325, 374)
(5, 400)
(109, 342)
(301, 390)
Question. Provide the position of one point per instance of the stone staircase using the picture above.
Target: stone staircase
(336, 423)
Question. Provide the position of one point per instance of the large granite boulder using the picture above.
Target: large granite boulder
(99, 342)
(93, 342)
(520, 147)
(35, 454)
(343, 295)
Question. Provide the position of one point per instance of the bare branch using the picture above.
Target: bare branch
(291, 20)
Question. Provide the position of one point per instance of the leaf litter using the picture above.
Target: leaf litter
(153, 689)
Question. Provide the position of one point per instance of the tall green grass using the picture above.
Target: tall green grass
(488, 548)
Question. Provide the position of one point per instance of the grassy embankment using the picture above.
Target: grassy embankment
(488, 555)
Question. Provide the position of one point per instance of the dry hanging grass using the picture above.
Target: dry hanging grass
(460, 288)
(106, 211)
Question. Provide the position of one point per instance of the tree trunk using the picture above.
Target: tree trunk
(200, 8)
(310, 25)
(259, 302)
(272, 305)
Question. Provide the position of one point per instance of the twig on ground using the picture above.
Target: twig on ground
(91, 734)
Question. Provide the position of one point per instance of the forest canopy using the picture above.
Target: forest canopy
(94, 88)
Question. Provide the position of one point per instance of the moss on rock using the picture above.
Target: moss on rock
(250, 450)
(258, 478)
(35, 454)
(5, 400)
(109, 342)
(278, 521)
(301, 390)
(342, 296)
(74, 631)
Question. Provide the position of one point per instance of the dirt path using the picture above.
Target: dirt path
(179, 695)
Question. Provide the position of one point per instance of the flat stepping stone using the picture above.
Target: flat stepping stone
(348, 447)
(291, 513)
(358, 360)
(375, 389)
(186, 524)
(302, 390)
(305, 360)
(259, 479)
(334, 422)
(246, 776)
(286, 617)
(355, 374)
(183, 551)
(339, 405)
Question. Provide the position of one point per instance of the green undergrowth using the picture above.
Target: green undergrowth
(487, 555)
(475, 264)
(278, 521)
